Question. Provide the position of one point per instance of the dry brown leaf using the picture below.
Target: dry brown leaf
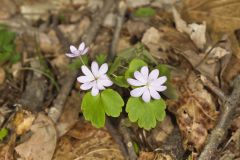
(162, 130)
(41, 145)
(221, 16)
(197, 32)
(22, 121)
(195, 111)
(86, 142)
(216, 54)
(69, 116)
(152, 39)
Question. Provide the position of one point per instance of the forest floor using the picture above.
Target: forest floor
(40, 100)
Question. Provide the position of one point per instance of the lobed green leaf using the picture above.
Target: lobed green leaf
(107, 102)
(146, 114)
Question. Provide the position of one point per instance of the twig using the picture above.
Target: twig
(127, 139)
(91, 33)
(213, 88)
(118, 139)
(58, 104)
(120, 20)
(220, 130)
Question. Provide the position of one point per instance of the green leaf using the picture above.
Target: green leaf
(4, 56)
(77, 63)
(127, 54)
(164, 71)
(115, 65)
(15, 58)
(136, 147)
(171, 91)
(95, 107)
(146, 114)
(120, 81)
(3, 133)
(134, 65)
(144, 12)
(148, 56)
(101, 58)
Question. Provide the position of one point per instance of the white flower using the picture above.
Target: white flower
(150, 84)
(77, 52)
(95, 79)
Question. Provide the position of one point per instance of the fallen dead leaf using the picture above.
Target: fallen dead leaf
(152, 39)
(197, 32)
(162, 130)
(70, 113)
(22, 121)
(221, 16)
(41, 145)
(86, 142)
(195, 112)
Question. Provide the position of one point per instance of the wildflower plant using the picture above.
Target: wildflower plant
(133, 71)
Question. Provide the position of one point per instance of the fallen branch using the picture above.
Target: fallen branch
(213, 87)
(220, 130)
(120, 20)
(58, 104)
(127, 139)
(117, 137)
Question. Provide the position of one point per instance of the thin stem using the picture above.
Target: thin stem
(123, 67)
(82, 61)
(43, 73)
(114, 75)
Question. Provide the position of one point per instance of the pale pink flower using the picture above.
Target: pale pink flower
(148, 84)
(82, 49)
(95, 79)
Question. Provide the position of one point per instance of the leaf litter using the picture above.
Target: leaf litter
(201, 38)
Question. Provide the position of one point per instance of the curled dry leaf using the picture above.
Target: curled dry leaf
(152, 39)
(216, 54)
(41, 145)
(195, 111)
(221, 16)
(22, 121)
(197, 32)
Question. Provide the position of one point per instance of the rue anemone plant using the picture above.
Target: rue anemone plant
(133, 71)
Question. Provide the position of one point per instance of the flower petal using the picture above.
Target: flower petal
(154, 93)
(134, 82)
(106, 82)
(153, 75)
(84, 51)
(71, 55)
(146, 96)
(159, 81)
(85, 79)
(86, 86)
(95, 90)
(73, 49)
(87, 71)
(95, 69)
(160, 88)
(81, 46)
(103, 69)
(100, 85)
(137, 92)
(145, 71)
(140, 77)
